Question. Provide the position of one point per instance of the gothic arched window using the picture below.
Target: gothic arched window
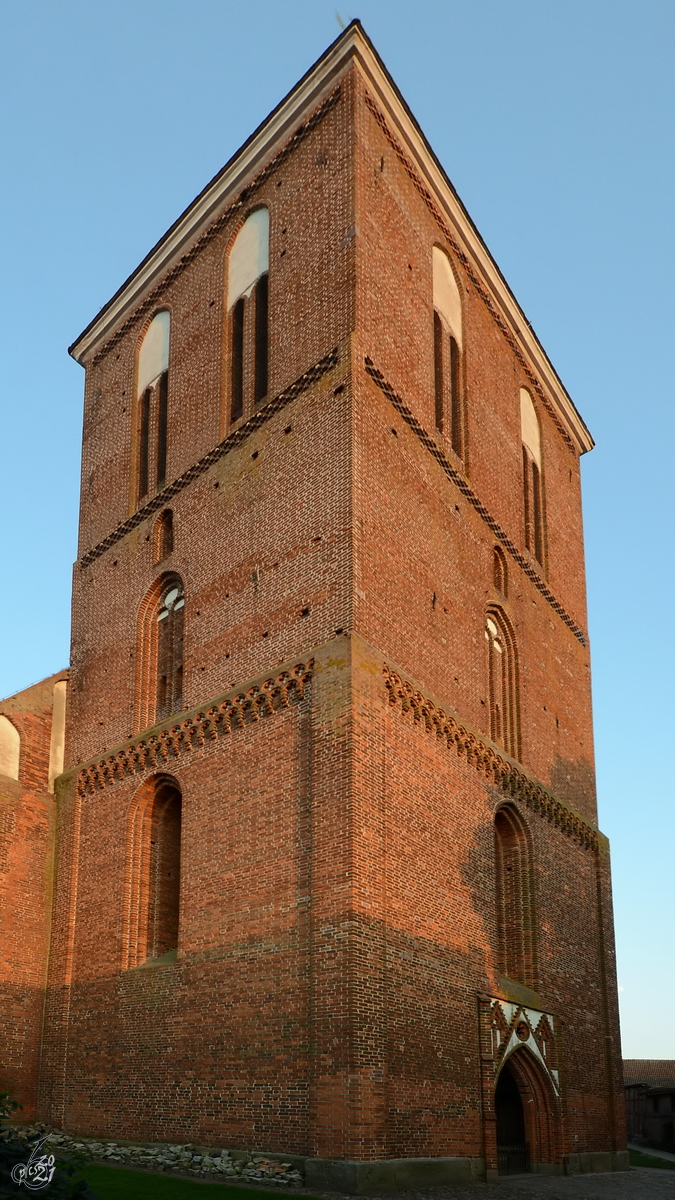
(152, 405)
(447, 351)
(515, 898)
(160, 652)
(532, 486)
(502, 670)
(170, 651)
(248, 313)
(153, 889)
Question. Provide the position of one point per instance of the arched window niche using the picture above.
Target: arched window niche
(163, 536)
(160, 652)
(152, 405)
(533, 497)
(10, 748)
(153, 873)
(500, 572)
(502, 680)
(248, 314)
(515, 897)
(447, 351)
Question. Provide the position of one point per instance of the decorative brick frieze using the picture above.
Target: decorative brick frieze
(466, 263)
(197, 729)
(234, 439)
(453, 474)
(242, 200)
(505, 775)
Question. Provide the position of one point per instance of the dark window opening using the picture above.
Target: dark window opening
(164, 889)
(170, 652)
(455, 399)
(534, 507)
(502, 683)
(162, 427)
(537, 514)
(438, 371)
(515, 915)
(237, 359)
(261, 337)
(144, 444)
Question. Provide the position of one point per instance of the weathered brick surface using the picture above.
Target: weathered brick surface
(338, 893)
(26, 862)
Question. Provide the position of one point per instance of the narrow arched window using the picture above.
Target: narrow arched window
(502, 673)
(248, 314)
(164, 881)
(500, 575)
(163, 538)
(515, 898)
(532, 485)
(10, 749)
(170, 651)
(447, 351)
(153, 872)
(159, 684)
(152, 405)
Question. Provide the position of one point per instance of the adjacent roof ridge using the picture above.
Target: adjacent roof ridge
(652, 1071)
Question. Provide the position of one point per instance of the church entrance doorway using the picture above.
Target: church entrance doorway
(513, 1151)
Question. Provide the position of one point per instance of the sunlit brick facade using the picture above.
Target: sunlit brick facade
(348, 900)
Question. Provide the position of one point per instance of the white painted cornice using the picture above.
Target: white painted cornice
(353, 47)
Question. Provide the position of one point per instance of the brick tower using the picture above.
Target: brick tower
(329, 877)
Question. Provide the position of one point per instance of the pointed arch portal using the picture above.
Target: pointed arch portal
(539, 1111)
(522, 1117)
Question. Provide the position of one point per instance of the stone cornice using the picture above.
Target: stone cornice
(155, 750)
(234, 439)
(353, 47)
(458, 479)
(500, 771)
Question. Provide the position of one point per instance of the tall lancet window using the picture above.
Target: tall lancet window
(153, 873)
(502, 671)
(152, 405)
(159, 657)
(515, 898)
(533, 495)
(248, 314)
(447, 352)
(170, 650)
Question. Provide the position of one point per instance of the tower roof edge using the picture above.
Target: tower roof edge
(351, 47)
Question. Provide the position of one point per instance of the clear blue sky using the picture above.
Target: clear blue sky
(555, 123)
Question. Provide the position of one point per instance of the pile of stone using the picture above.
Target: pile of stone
(241, 1166)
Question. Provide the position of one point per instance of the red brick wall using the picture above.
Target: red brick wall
(416, 534)
(26, 861)
(278, 503)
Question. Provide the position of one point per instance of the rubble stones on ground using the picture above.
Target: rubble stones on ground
(247, 1167)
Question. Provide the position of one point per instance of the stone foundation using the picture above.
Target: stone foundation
(390, 1175)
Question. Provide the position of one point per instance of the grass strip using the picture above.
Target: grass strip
(637, 1159)
(113, 1183)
